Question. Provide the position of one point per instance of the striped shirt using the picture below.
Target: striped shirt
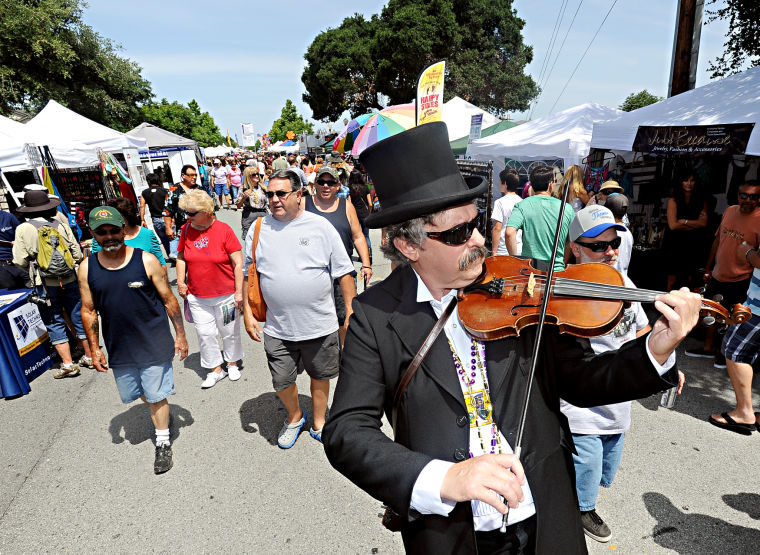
(753, 293)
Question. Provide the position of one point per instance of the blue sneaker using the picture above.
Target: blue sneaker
(290, 432)
(316, 434)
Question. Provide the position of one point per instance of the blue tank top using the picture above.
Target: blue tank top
(135, 326)
(338, 219)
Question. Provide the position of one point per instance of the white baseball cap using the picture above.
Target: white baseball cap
(592, 221)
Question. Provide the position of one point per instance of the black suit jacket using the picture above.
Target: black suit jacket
(386, 330)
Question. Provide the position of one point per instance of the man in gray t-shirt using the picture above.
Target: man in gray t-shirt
(298, 255)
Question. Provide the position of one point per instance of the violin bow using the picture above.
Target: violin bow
(537, 341)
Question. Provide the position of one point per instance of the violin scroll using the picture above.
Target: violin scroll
(713, 311)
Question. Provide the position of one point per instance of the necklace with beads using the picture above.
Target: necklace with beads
(478, 402)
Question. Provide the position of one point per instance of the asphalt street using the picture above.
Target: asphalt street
(76, 468)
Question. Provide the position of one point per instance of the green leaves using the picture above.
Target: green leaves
(638, 100)
(47, 52)
(742, 46)
(353, 66)
(289, 120)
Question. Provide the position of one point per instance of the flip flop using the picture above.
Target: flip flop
(757, 421)
(732, 425)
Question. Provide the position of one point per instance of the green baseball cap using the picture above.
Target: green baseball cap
(103, 215)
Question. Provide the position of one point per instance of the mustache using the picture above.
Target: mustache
(471, 256)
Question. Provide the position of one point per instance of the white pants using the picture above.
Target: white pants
(208, 317)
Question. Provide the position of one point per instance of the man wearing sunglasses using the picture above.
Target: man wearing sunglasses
(731, 272)
(598, 431)
(298, 255)
(452, 462)
(128, 289)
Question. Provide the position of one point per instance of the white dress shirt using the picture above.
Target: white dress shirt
(426, 494)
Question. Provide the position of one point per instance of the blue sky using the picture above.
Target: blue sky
(242, 60)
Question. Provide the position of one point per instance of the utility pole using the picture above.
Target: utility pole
(683, 68)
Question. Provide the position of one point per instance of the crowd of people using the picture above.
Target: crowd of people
(451, 469)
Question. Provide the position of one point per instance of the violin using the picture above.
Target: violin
(587, 300)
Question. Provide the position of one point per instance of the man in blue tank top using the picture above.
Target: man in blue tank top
(119, 283)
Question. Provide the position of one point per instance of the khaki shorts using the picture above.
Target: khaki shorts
(320, 357)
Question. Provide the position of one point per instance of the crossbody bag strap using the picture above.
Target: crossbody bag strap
(418, 358)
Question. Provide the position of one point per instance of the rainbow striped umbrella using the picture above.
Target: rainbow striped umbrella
(345, 139)
(388, 122)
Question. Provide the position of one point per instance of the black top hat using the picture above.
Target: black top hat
(37, 201)
(414, 173)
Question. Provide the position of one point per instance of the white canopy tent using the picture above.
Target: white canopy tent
(59, 124)
(157, 137)
(735, 99)
(67, 153)
(565, 135)
(220, 150)
(457, 115)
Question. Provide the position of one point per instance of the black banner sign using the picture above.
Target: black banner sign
(693, 139)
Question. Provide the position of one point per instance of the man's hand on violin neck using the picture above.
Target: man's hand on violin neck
(485, 478)
(680, 313)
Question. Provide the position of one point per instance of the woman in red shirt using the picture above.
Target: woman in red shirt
(210, 278)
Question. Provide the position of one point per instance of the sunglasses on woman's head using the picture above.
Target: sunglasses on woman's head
(459, 234)
(601, 246)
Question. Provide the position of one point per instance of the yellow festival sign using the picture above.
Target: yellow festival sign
(430, 93)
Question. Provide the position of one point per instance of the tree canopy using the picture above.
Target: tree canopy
(187, 121)
(742, 46)
(634, 101)
(289, 120)
(47, 52)
(362, 62)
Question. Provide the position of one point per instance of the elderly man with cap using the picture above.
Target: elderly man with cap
(598, 431)
(451, 471)
(57, 282)
(127, 287)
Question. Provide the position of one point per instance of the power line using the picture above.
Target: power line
(583, 56)
(552, 39)
(546, 80)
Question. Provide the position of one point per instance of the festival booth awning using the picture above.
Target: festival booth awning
(565, 135)
(67, 153)
(459, 147)
(457, 114)
(158, 138)
(702, 119)
(59, 124)
(221, 150)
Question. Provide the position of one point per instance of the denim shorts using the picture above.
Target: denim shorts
(155, 382)
(62, 298)
(221, 189)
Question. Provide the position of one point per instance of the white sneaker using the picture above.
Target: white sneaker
(233, 373)
(212, 378)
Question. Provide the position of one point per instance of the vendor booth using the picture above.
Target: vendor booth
(559, 140)
(166, 149)
(711, 131)
(24, 344)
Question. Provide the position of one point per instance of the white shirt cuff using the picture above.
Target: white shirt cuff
(661, 369)
(426, 494)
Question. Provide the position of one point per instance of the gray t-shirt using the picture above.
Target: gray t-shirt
(297, 262)
(616, 418)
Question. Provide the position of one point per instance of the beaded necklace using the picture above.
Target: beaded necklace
(479, 408)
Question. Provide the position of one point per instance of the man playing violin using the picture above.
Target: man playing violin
(451, 471)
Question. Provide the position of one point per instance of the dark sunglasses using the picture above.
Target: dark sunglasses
(190, 175)
(328, 182)
(191, 214)
(601, 246)
(747, 196)
(100, 232)
(280, 194)
(460, 234)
